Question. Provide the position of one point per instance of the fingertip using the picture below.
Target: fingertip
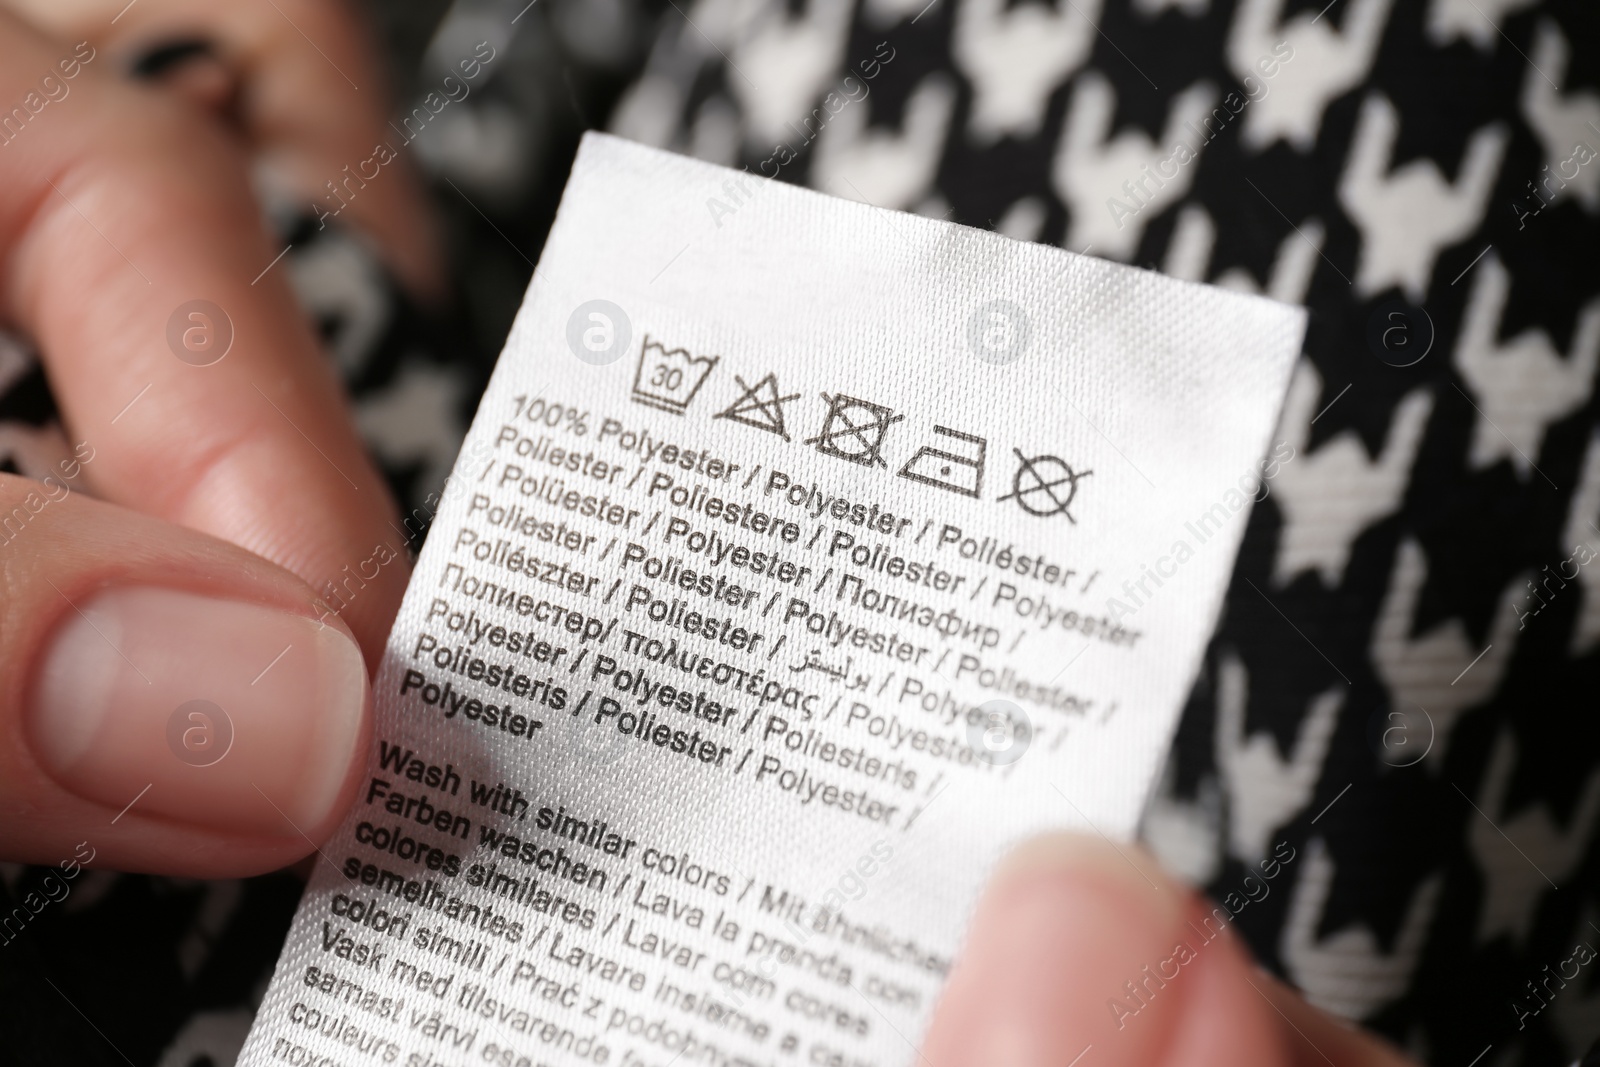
(167, 696)
(1315, 1036)
(218, 713)
(1127, 866)
(1068, 924)
(1223, 1018)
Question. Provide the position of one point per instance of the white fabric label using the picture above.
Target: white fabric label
(802, 558)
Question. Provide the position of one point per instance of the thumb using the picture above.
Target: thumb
(172, 700)
(1082, 952)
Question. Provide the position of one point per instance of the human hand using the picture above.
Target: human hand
(296, 81)
(232, 486)
(1068, 923)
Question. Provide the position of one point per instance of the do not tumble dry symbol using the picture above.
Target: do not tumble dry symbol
(1036, 487)
(854, 430)
(759, 406)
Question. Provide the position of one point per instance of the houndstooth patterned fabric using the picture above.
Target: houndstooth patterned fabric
(1403, 687)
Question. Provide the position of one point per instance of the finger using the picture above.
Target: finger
(1223, 1019)
(121, 209)
(1080, 945)
(192, 69)
(311, 100)
(1319, 1037)
(168, 698)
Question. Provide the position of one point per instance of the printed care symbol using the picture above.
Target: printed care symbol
(669, 378)
(598, 332)
(936, 467)
(998, 332)
(199, 733)
(199, 333)
(1401, 738)
(1399, 333)
(854, 430)
(759, 406)
(1036, 485)
(999, 732)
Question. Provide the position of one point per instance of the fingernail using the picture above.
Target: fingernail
(1067, 921)
(238, 717)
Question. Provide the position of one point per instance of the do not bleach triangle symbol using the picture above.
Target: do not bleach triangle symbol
(759, 406)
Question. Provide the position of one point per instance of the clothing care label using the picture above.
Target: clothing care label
(803, 558)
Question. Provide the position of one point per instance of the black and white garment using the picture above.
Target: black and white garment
(1404, 683)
